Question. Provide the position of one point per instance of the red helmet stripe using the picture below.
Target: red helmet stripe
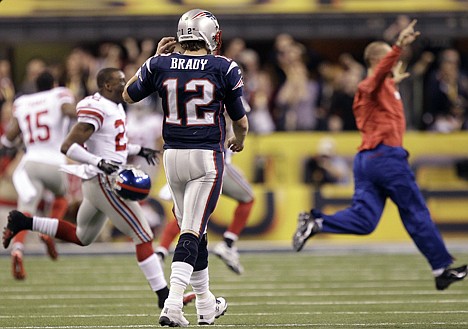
(133, 189)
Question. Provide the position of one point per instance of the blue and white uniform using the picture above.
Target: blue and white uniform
(195, 91)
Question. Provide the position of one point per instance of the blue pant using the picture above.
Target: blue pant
(385, 172)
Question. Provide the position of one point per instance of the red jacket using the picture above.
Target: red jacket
(378, 108)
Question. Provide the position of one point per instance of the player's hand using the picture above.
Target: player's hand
(234, 145)
(150, 155)
(166, 45)
(107, 167)
(398, 74)
(407, 35)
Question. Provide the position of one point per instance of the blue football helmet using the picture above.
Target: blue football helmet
(132, 184)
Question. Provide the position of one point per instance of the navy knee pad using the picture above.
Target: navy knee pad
(187, 249)
(202, 259)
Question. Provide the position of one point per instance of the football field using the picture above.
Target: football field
(277, 290)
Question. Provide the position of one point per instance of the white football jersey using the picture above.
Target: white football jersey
(43, 124)
(143, 127)
(109, 139)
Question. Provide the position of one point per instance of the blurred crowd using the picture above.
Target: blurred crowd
(287, 90)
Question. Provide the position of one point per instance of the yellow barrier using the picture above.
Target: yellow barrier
(283, 195)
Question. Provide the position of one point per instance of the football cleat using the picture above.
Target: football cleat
(17, 222)
(50, 244)
(132, 184)
(172, 318)
(17, 265)
(220, 308)
(308, 224)
(449, 276)
(230, 256)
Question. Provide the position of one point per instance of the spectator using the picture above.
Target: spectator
(340, 115)
(34, 67)
(257, 92)
(447, 95)
(297, 98)
(326, 166)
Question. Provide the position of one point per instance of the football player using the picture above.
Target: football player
(98, 141)
(42, 118)
(195, 87)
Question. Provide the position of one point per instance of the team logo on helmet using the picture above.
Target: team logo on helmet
(204, 14)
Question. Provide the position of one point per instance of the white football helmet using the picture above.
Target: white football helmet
(199, 24)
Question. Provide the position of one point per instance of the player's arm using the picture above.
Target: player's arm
(69, 110)
(8, 145)
(13, 132)
(72, 148)
(150, 155)
(240, 124)
(240, 129)
(125, 95)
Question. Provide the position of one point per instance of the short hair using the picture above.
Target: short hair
(374, 50)
(193, 45)
(104, 75)
(45, 81)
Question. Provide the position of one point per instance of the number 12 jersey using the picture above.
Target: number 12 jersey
(194, 90)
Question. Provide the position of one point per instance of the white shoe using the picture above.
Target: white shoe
(230, 256)
(172, 318)
(220, 308)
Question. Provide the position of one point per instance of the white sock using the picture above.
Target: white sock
(231, 236)
(153, 271)
(45, 225)
(17, 246)
(180, 278)
(200, 282)
(438, 272)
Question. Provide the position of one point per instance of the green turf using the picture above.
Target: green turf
(277, 290)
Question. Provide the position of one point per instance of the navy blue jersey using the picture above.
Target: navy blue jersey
(194, 91)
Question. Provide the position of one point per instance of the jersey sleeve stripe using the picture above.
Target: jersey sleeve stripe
(233, 65)
(91, 114)
(239, 84)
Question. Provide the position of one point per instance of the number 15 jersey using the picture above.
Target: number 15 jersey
(43, 123)
(194, 90)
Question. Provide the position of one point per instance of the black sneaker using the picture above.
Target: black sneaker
(17, 222)
(449, 276)
(307, 226)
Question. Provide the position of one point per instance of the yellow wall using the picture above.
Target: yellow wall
(285, 153)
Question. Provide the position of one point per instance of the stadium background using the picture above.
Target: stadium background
(51, 28)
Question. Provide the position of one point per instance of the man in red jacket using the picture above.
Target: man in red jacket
(381, 168)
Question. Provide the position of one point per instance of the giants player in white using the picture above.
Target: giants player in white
(196, 87)
(99, 142)
(42, 118)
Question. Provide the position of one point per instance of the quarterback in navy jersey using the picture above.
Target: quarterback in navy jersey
(196, 88)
